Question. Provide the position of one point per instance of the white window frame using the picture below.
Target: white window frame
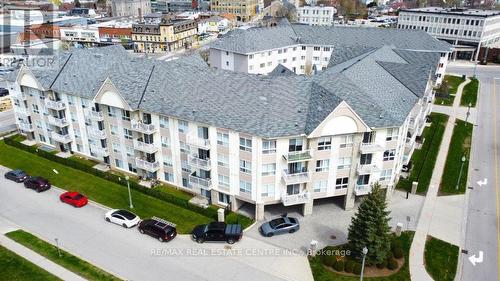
(322, 165)
(325, 143)
(269, 169)
(245, 166)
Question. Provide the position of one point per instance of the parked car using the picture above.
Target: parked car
(217, 231)
(122, 217)
(74, 199)
(4, 92)
(16, 175)
(38, 184)
(279, 225)
(158, 228)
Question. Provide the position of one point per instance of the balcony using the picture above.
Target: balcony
(298, 156)
(294, 178)
(364, 169)
(197, 182)
(26, 127)
(97, 134)
(61, 138)
(96, 115)
(195, 162)
(148, 166)
(198, 142)
(55, 105)
(60, 122)
(362, 189)
(370, 147)
(295, 199)
(145, 147)
(21, 110)
(142, 127)
(98, 150)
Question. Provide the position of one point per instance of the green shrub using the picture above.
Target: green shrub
(392, 264)
(329, 260)
(397, 252)
(349, 266)
(382, 265)
(357, 268)
(339, 266)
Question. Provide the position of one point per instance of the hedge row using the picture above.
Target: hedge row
(208, 212)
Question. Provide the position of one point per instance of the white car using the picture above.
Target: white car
(122, 217)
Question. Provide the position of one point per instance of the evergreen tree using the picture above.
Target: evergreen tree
(370, 228)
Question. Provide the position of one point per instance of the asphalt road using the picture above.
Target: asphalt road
(482, 230)
(132, 256)
(7, 121)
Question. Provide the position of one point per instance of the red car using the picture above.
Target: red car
(74, 198)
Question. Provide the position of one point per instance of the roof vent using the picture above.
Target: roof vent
(98, 56)
(380, 116)
(296, 124)
(299, 110)
(194, 111)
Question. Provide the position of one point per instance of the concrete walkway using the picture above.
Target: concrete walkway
(32, 256)
(430, 209)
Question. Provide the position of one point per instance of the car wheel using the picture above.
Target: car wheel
(160, 239)
(270, 234)
(230, 241)
(200, 240)
(124, 225)
(291, 231)
(141, 231)
(108, 220)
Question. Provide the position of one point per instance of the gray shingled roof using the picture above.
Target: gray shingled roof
(267, 106)
(265, 38)
(280, 69)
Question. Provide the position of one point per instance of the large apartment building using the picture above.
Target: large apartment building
(236, 138)
(244, 10)
(316, 15)
(467, 29)
(303, 49)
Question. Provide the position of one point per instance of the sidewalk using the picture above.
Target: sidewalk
(32, 256)
(417, 266)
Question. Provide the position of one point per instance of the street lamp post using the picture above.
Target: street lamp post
(365, 251)
(57, 245)
(129, 195)
(460, 174)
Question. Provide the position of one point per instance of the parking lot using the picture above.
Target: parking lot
(329, 222)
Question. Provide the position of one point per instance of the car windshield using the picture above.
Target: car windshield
(292, 220)
(78, 196)
(128, 215)
(274, 223)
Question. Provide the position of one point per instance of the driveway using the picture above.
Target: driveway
(132, 256)
(329, 222)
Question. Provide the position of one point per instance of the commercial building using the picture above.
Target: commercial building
(238, 138)
(244, 9)
(213, 25)
(168, 35)
(127, 8)
(467, 29)
(166, 6)
(316, 15)
(307, 50)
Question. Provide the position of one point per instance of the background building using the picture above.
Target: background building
(467, 29)
(316, 15)
(126, 8)
(244, 9)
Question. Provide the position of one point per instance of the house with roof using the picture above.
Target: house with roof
(234, 138)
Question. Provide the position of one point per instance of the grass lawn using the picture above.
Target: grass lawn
(320, 273)
(88, 162)
(453, 83)
(441, 259)
(14, 267)
(67, 260)
(469, 95)
(459, 146)
(99, 190)
(424, 159)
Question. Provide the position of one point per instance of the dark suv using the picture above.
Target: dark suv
(16, 175)
(39, 184)
(158, 228)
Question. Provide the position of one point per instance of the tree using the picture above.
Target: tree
(77, 4)
(370, 228)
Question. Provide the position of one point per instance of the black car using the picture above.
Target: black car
(217, 231)
(158, 228)
(16, 175)
(4, 92)
(39, 184)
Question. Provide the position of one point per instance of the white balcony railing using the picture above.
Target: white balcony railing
(61, 138)
(146, 165)
(364, 169)
(197, 182)
(26, 127)
(195, 162)
(362, 189)
(56, 105)
(198, 142)
(96, 115)
(21, 110)
(139, 126)
(294, 178)
(97, 134)
(99, 150)
(60, 122)
(295, 199)
(370, 147)
(298, 156)
(145, 147)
